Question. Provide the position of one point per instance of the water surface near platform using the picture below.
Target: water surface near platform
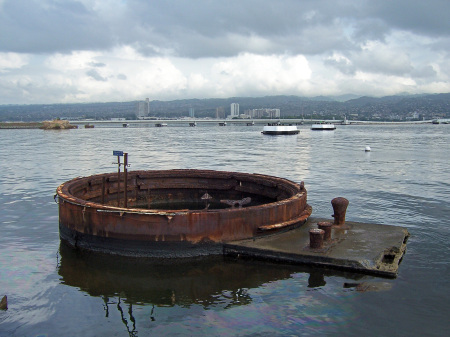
(404, 180)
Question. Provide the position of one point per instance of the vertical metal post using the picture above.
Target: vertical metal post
(125, 171)
(103, 190)
(340, 208)
(118, 181)
(326, 226)
(136, 190)
(316, 238)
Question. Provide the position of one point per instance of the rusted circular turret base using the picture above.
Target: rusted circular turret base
(175, 213)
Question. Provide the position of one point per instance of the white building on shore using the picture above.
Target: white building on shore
(265, 113)
(143, 109)
(234, 111)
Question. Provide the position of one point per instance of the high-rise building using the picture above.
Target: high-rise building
(191, 112)
(220, 112)
(270, 113)
(234, 110)
(143, 109)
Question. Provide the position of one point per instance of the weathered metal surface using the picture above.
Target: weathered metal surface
(360, 247)
(316, 238)
(239, 203)
(166, 206)
(326, 226)
(340, 208)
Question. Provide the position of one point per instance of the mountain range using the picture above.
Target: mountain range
(398, 107)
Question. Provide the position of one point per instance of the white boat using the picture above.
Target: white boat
(323, 127)
(441, 121)
(278, 129)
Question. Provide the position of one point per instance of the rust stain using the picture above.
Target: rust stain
(167, 205)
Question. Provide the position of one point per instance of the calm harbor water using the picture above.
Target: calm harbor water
(55, 291)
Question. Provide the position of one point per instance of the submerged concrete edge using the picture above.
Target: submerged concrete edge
(383, 262)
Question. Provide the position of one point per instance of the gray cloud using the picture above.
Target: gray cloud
(370, 30)
(95, 75)
(429, 18)
(97, 64)
(343, 66)
(181, 48)
(41, 26)
(209, 28)
(424, 72)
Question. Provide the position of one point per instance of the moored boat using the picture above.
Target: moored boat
(278, 129)
(323, 127)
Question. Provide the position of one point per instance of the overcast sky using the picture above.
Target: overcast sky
(64, 51)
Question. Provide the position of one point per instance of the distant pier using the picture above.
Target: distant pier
(213, 122)
(224, 122)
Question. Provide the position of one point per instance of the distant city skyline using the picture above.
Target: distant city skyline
(400, 107)
(84, 51)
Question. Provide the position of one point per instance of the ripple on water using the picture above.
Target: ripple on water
(402, 181)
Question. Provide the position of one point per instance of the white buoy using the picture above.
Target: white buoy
(367, 149)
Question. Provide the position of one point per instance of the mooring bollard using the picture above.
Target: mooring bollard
(326, 226)
(316, 238)
(340, 208)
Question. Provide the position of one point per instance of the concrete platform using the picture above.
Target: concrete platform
(360, 247)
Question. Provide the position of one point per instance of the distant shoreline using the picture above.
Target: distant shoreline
(45, 125)
(49, 125)
(21, 125)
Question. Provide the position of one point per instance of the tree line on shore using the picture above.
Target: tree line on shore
(363, 108)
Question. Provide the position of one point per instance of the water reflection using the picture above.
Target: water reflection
(403, 181)
(182, 282)
(211, 282)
